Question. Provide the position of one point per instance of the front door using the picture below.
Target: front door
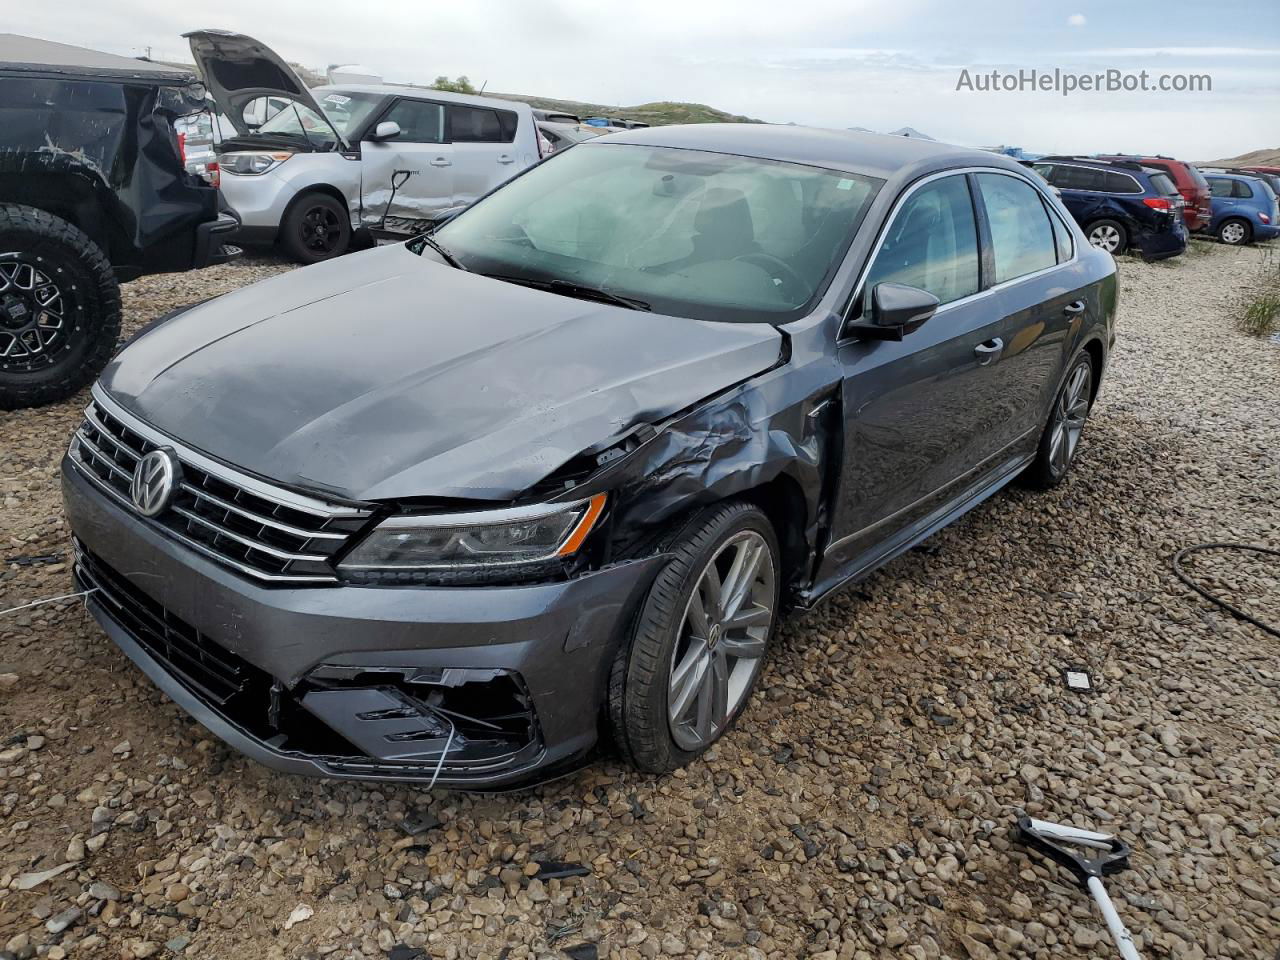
(409, 178)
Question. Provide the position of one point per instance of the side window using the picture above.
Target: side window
(474, 125)
(1119, 183)
(1078, 178)
(931, 244)
(1241, 188)
(1219, 186)
(1048, 171)
(420, 122)
(1061, 235)
(1021, 237)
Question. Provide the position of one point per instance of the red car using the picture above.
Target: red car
(1197, 210)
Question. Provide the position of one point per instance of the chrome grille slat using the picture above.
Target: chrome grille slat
(251, 544)
(264, 532)
(217, 501)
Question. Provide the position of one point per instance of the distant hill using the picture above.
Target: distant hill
(662, 112)
(1258, 158)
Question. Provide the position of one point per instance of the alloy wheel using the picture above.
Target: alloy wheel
(33, 316)
(320, 229)
(1233, 233)
(1068, 420)
(721, 640)
(1105, 237)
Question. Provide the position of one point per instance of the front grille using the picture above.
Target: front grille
(267, 533)
(215, 673)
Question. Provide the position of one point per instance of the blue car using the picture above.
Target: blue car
(1119, 204)
(1244, 208)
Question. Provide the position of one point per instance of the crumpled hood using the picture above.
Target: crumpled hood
(385, 375)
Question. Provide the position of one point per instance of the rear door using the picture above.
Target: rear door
(409, 178)
(484, 149)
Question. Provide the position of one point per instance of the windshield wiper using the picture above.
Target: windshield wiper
(579, 290)
(449, 258)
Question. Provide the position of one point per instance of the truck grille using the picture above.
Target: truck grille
(267, 533)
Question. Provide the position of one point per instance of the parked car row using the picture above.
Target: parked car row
(1152, 203)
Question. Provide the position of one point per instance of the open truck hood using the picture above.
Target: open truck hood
(238, 69)
(386, 375)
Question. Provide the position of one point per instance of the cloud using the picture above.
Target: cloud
(1076, 20)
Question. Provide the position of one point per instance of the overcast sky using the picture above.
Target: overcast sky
(833, 63)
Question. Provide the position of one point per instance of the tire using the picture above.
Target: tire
(1050, 466)
(308, 217)
(1109, 235)
(59, 308)
(1235, 231)
(642, 678)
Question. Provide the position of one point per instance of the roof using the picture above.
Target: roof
(870, 154)
(30, 54)
(408, 90)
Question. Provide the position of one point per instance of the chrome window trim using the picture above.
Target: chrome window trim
(1078, 166)
(281, 495)
(846, 313)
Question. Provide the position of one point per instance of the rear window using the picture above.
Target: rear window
(1198, 177)
(1161, 183)
(481, 125)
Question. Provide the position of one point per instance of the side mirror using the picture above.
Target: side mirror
(896, 310)
(386, 130)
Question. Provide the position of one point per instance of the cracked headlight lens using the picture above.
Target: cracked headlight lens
(477, 541)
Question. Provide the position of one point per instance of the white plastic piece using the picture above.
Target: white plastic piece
(1119, 932)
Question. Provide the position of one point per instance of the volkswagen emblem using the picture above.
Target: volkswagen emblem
(154, 481)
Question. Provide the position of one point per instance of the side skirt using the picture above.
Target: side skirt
(863, 566)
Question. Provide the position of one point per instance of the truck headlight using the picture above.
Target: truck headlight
(251, 162)
(482, 540)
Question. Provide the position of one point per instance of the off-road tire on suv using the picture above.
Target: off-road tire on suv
(59, 308)
(1235, 231)
(1070, 412)
(1103, 228)
(316, 227)
(642, 671)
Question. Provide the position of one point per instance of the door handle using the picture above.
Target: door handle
(442, 162)
(506, 158)
(987, 353)
(1077, 307)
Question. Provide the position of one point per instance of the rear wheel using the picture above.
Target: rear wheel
(315, 227)
(59, 308)
(700, 639)
(1235, 232)
(1062, 433)
(1108, 235)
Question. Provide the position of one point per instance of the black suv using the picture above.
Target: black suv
(93, 190)
(1119, 204)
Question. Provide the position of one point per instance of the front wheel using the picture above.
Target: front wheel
(700, 639)
(1234, 232)
(1062, 433)
(59, 308)
(315, 227)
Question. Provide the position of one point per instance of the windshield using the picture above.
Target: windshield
(702, 235)
(346, 111)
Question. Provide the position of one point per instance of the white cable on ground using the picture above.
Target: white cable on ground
(36, 603)
(444, 753)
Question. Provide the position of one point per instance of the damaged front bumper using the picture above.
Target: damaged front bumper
(355, 682)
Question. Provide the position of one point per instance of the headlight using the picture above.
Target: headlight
(252, 162)
(483, 540)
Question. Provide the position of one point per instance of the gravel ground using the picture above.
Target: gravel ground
(861, 809)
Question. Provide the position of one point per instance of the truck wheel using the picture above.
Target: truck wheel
(59, 308)
(700, 639)
(315, 227)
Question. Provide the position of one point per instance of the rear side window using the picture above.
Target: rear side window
(480, 125)
(420, 122)
(1120, 183)
(932, 243)
(1021, 236)
(1241, 188)
(1061, 235)
(1220, 186)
